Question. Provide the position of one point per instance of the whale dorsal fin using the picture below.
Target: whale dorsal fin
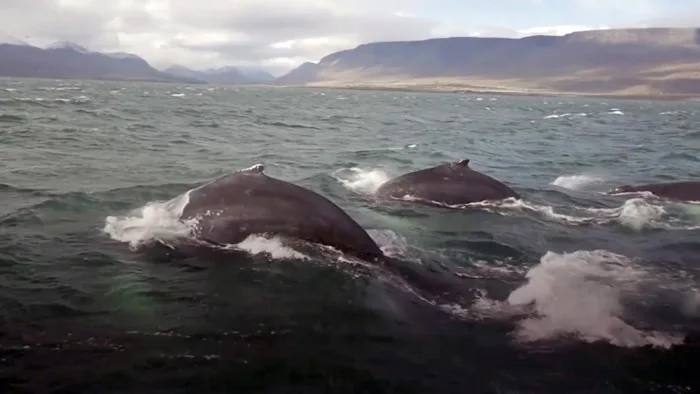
(463, 162)
(256, 169)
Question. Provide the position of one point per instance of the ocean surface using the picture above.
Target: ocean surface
(569, 290)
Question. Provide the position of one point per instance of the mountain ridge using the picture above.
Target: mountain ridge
(612, 61)
(634, 61)
(226, 75)
(68, 60)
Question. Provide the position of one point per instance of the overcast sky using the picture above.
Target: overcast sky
(280, 34)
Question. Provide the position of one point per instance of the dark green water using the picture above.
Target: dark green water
(570, 291)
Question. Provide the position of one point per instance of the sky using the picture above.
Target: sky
(278, 35)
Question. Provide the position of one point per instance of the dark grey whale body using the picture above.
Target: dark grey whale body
(683, 190)
(247, 202)
(447, 184)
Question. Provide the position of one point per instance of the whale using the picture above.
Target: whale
(680, 191)
(248, 202)
(233, 207)
(447, 184)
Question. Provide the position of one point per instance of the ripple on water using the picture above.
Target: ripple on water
(590, 287)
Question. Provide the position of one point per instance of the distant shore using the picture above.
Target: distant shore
(462, 88)
(501, 92)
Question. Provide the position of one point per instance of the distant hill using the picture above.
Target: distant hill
(66, 60)
(256, 74)
(224, 75)
(619, 61)
(307, 73)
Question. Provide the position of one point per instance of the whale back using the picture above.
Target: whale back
(237, 205)
(682, 190)
(450, 183)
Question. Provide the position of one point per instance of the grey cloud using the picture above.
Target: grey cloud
(255, 51)
(253, 16)
(256, 27)
(690, 20)
(46, 21)
(182, 27)
(288, 21)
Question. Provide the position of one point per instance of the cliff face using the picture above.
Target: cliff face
(303, 74)
(661, 59)
(71, 61)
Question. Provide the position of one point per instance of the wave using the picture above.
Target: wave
(364, 181)
(571, 115)
(577, 182)
(72, 100)
(590, 296)
(155, 221)
(288, 125)
(680, 156)
(566, 115)
(9, 118)
(60, 88)
(5, 188)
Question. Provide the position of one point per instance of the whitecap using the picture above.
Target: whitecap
(361, 180)
(576, 182)
(582, 294)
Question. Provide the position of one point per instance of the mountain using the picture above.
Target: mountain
(224, 75)
(306, 73)
(255, 74)
(615, 61)
(66, 60)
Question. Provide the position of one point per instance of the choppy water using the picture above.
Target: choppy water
(572, 290)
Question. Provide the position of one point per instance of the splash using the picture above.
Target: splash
(582, 294)
(576, 182)
(389, 242)
(637, 214)
(510, 205)
(361, 180)
(159, 220)
(272, 247)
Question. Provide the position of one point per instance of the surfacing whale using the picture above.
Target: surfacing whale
(452, 183)
(682, 191)
(248, 202)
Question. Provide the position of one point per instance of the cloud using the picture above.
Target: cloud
(275, 34)
(555, 30)
(636, 9)
(204, 33)
(558, 30)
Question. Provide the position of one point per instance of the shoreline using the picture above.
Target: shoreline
(498, 92)
(415, 88)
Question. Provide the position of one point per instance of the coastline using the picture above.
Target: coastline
(454, 88)
(419, 88)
